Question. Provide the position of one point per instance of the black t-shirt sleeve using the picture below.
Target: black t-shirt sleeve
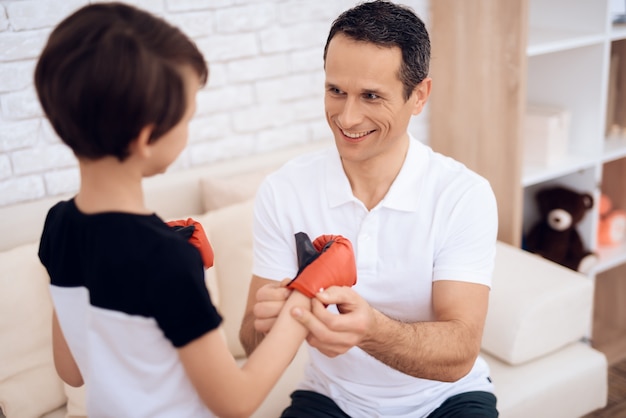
(178, 296)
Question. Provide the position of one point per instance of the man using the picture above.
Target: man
(404, 341)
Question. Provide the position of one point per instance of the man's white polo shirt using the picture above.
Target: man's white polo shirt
(438, 221)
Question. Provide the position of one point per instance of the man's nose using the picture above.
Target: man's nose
(350, 114)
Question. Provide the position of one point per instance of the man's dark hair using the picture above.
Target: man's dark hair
(107, 71)
(389, 25)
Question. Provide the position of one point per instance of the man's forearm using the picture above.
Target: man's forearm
(249, 337)
(444, 350)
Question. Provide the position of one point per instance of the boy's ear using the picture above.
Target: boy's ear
(141, 145)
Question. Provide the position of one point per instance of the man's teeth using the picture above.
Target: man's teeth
(355, 135)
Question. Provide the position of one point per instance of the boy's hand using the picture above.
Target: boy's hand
(194, 232)
(270, 300)
(327, 261)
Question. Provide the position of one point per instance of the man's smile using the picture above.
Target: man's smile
(355, 135)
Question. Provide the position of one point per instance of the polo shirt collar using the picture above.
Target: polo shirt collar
(337, 185)
(403, 193)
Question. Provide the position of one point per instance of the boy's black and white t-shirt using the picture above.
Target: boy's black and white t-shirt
(128, 291)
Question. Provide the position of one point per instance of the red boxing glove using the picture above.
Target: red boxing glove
(194, 232)
(328, 261)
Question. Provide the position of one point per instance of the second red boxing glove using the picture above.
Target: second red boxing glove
(327, 261)
(193, 231)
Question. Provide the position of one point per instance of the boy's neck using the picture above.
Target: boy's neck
(108, 185)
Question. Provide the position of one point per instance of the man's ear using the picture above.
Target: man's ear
(141, 145)
(420, 95)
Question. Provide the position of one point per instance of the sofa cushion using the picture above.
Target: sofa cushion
(76, 402)
(210, 277)
(29, 385)
(536, 306)
(31, 393)
(230, 232)
(219, 192)
(569, 383)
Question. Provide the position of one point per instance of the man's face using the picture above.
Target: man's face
(364, 101)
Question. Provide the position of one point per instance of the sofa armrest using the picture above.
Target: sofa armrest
(536, 306)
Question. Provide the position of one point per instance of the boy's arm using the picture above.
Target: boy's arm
(64, 362)
(229, 390)
(265, 301)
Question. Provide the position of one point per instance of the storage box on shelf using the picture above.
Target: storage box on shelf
(546, 131)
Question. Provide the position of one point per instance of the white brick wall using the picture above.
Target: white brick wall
(265, 89)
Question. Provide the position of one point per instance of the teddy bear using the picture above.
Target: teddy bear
(612, 223)
(555, 236)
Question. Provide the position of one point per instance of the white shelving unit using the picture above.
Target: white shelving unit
(569, 49)
(556, 53)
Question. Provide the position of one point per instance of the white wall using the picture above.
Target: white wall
(265, 89)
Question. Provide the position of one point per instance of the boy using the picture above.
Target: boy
(133, 319)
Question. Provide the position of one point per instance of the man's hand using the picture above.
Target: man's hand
(270, 300)
(334, 334)
(327, 261)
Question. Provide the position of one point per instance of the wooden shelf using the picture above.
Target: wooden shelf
(618, 32)
(610, 257)
(614, 347)
(548, 40)
(609, 324)
(614, 148)
(568, 164)
(476, 107)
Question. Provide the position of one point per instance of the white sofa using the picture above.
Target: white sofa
(539, 312)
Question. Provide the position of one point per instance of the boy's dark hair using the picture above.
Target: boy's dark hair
(389, 25)
(107, 71)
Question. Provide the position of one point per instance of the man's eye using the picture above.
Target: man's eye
(334, 90)
(371, 96)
